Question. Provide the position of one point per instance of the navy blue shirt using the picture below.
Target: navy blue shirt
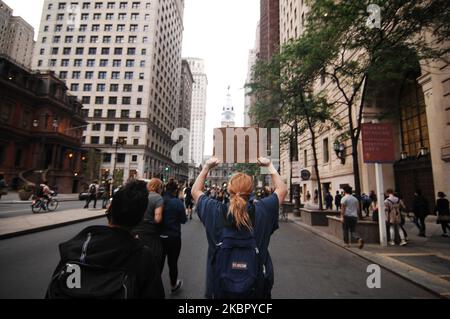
(174, 215)
(210, 212)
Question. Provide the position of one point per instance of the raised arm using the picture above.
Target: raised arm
(280, 187)
(199, 186)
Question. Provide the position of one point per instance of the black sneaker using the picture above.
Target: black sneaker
(178, 287)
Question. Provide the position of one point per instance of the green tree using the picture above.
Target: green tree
(353, 55)
(284, 86)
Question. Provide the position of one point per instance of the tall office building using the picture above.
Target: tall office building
(269, 28)
(16, 37)
(122, 59)
(198, 112)
(184, 112)
(252, 59)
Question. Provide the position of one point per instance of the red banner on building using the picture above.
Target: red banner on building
(378, 143)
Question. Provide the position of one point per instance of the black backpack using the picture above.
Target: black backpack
(239, 271)
(92, 189)
(95, 282)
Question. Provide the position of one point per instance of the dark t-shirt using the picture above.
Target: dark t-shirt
(210, 212)
(148, 226)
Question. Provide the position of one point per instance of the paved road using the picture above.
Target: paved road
(14, 210)
(306, 266)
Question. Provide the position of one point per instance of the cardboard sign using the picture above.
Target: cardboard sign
(240, 145)
(378, 143)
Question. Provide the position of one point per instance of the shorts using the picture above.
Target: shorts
(189, 204)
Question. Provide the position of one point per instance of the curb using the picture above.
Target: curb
(49, 227)
(336, 242)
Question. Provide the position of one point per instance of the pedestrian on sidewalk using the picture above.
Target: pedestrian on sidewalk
(188, 200)
(241, 222)
(337, 201)
(394, 207)
(349, 213)
(366, 202)
(374, 206)
(421, 210)
(174, 215)
(3, 186)
(112, 262)
(328, 201)
(93, 194)
(443, 212)
(149, 230)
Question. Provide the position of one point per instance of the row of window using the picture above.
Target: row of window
(95, 39)
(96, 28)
(96, 16)
(121, 158)
(111, 114)
(112, 100)
(102, 75)
(97, 5)
(97, 127)
(75, 87)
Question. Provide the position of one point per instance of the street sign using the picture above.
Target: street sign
(378, 143)
(305, 175)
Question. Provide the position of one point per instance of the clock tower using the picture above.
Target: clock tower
(228, 114)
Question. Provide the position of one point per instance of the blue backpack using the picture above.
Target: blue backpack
(239, 272)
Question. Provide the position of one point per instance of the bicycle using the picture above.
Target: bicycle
(40, 204)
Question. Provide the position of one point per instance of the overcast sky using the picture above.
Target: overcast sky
(221, 32)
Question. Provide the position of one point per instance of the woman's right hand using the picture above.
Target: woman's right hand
(264, 162)
(212, 163)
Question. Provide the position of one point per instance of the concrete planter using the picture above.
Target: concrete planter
(367, 230)
(313, 217)
(24, 195)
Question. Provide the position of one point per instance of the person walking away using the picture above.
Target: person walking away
(349, 214)
(403, 212)
(420, 210)
(149, 230)
(366, 202)
(245, 223)
(374, 207)
(394, 207)
(328, 201)
(174, 215)
(3, 186)
(188, 200)
(443, 212)
(93, 193)
(113, 264)
(337, 201)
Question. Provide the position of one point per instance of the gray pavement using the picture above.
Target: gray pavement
(306, 266)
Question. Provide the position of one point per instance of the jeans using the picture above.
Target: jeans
(349, 225)
(392, 228)
(420, 223)
(171, 250)
(91, 198)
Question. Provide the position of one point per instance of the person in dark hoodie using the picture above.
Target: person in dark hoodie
(109, 254)
(174, 215)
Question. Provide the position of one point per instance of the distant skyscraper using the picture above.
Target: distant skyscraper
(252, 59)
(122, 59)
(16, 37)
(269, 28)
(184, 112)
(198, 111)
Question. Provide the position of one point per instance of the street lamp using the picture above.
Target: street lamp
(339, 149)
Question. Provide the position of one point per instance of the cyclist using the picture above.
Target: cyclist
(44, 194)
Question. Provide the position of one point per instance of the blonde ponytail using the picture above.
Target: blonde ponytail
(240, 188)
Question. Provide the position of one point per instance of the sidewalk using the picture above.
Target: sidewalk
(13, 198)
(22, 225)
(424, 261)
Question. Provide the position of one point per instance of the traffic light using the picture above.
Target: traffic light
(167, 169)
